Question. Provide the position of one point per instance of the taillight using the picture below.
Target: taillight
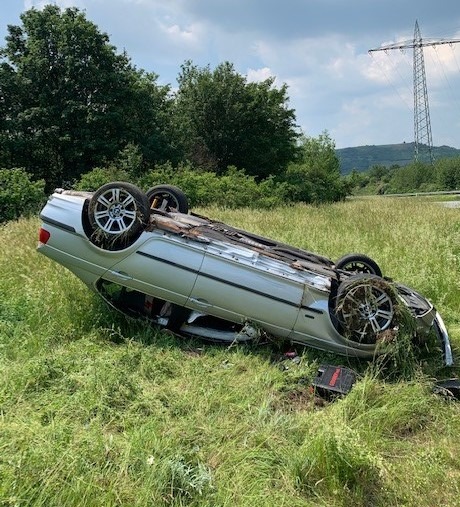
(43, 236)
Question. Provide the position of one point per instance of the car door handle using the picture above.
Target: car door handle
(121, 275)
(200, 302)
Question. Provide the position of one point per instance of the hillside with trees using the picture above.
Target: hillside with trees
(442, 175)
(362, 158)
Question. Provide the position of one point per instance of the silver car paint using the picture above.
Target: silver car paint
(206, 275)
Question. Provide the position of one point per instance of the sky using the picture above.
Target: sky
(318, 48)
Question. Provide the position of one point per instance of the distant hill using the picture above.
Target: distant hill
(362, 158)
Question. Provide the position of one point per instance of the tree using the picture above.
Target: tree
(148, 119)
(448, 173)
(315, 177)
(68, 101)
(417, 176)
(223, 121)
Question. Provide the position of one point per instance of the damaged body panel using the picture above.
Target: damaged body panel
(148, 257)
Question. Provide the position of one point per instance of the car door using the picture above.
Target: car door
(164, 266)
(238, 284)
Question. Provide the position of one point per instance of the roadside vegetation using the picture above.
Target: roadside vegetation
(98, 410)
(442, 175)
(76, 114)
(315, 177)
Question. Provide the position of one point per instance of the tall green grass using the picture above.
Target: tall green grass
(99, 410)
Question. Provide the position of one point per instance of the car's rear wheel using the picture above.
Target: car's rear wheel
(167, 198)
(365, 308)
(118, 213)
(358, 263)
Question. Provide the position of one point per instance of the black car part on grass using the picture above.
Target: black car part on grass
(450, 388)
(333, 380)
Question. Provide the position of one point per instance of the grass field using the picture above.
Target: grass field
(96, 410)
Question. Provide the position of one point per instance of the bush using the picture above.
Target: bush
(100, 176)
(130, 160)
(234, 189)
(449, 173)
(414, 177)
(19, 195)
(314, 185)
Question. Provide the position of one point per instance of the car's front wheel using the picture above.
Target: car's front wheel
(365, 308)
(118, 213)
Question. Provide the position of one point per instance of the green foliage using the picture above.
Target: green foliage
(444, 174)
(130, 160)
(233, 189)
(315, 178)
(222, 120)
(448, 173)
(100, 176)
(69, 101)
(148, 121)
(413, 177)
(19, 195)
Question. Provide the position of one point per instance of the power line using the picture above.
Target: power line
(422, 124)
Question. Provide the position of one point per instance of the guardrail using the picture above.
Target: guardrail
(417, 194)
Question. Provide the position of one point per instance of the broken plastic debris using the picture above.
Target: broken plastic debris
(333, 380)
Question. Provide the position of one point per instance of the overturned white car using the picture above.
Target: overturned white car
(150, 258)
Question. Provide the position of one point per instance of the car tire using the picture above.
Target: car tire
(118, 213)
(365, 308)
(358, 263)
(167, 198)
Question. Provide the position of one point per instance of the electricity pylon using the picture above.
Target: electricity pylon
(422, 123)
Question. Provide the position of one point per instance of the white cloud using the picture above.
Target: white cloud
(258, 75)
(191, 35)
(442, 62)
